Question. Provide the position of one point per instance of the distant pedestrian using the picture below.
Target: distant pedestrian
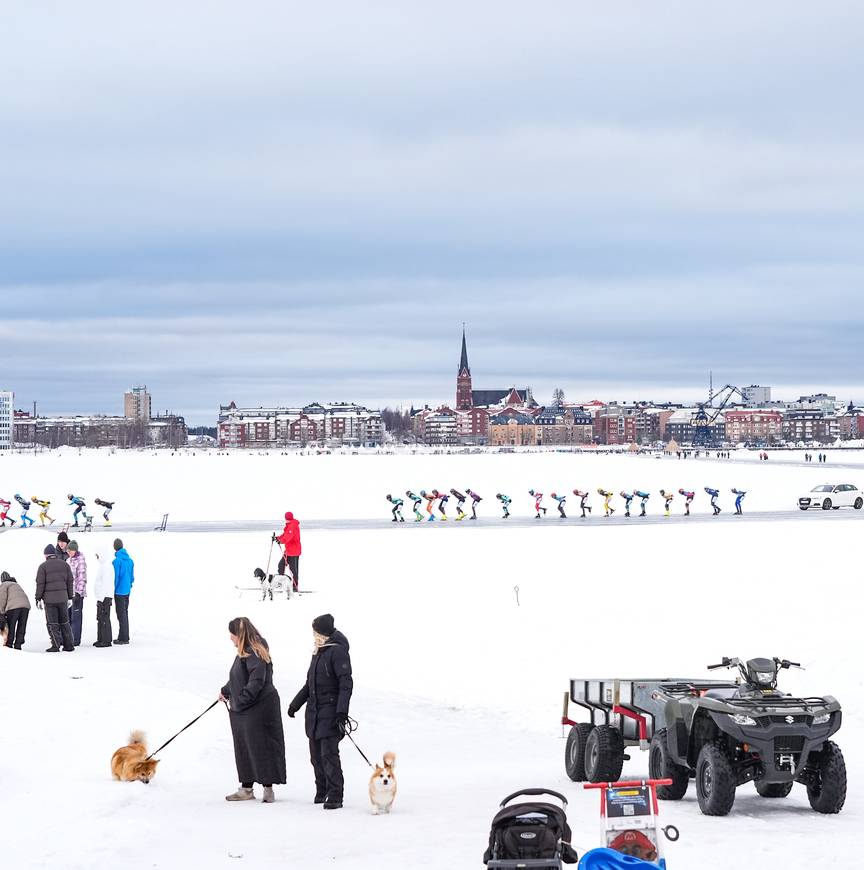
(124, 577)
(15, 609)
(54, 591)
(327, 696)
(104, 593)
(255, 713)
(78, 566)
(290, 540)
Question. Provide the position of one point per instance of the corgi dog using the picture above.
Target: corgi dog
(130, 763)
(382, 785)
(4, 630)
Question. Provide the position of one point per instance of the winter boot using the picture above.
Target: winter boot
(242, 794)
(332, 805)
(268, 797)
(320, 798)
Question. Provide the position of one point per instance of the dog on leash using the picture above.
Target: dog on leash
(270, 583)
(382, 785)
(130, 763)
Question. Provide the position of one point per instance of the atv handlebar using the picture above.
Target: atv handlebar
(785, 663)
(534, 792)
(726, 663)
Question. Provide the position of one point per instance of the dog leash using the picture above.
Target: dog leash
(347, 727)
(182, 730)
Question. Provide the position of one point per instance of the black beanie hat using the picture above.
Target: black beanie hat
(5, 576)
(63, 537)
(49, 551)
(323, 625)
(118, 544)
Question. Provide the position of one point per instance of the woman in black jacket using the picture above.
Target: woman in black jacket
(327, 694)
(256, 717)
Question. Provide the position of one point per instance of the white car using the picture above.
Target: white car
(830, 496)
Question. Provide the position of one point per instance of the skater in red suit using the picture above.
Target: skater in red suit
(290, 541)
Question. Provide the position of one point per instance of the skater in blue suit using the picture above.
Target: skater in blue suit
(643, 500)
(26, 521)
(505, 503)
(415, 502)
(714, 493)
(80, 504)
(397, 508)
(561, 499)
(739, 497)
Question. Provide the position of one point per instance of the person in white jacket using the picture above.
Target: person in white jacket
(104, 596)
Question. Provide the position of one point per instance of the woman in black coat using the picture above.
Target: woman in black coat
(327, 695)
(256, 717)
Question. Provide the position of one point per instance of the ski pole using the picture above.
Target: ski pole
(269, 556)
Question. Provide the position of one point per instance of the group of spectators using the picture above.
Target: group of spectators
(61, 587)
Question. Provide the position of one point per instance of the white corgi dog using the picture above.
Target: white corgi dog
(382, 785)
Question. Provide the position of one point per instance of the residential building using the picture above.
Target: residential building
(810, 424)
(99, 430)
(758, 426)
(136, 403)
(7, 417)
(818, 401)
(756, 396)
(337, 424)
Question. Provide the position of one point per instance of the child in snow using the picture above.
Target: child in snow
(4, 512)
(397, 508)
(25, 506)
(688, 497)
(561, 499)
(43, 514)
(538, 502)
(460, 500)
(606, 499)
(628, 497)
(505, 503)
(109, 506)
(79, 507)
(643, 500)
(583, 501)
(739, 497)
(714, 493)
(667, 497)
(475, 500)
(415, 502)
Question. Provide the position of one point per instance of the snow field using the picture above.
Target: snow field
(461, 682)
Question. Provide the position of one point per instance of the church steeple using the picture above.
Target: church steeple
(464, 397)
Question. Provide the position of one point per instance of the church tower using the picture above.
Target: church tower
(464, 402)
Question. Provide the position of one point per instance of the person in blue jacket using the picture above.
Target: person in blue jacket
(739, 497)
(124, 577)
(714, 494)
(643, 500)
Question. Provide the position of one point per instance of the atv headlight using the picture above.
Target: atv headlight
(822, 719)
(742, 719)
(765, 678)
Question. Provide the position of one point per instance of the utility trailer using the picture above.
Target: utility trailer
(720, 733)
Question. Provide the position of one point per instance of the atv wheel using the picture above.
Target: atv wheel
(773, 789)
(859, 503)
(829, 794)
(826, 505)
(661, 766)
(574, 752)
(604, 754)
(715, 780)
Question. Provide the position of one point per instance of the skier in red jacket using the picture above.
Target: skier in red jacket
(290, 541)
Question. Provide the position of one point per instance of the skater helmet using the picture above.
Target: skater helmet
(497, 495)
(453, 491)
(423, 493)
(554, 495)
(389, 497)
(70, 496)
(530, 492)
(32, 498)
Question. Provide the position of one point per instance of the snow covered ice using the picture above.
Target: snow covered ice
(463, 683)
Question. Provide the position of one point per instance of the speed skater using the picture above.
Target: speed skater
(606, 498)
(688, 497)
(561, 499)
(4, 512)
(43, 514)
(25, 506)
(460, 500)
(397, 508)
(667, 498)
(583, 501)
(505, 503)
(109, 506)
(415, 501)
(443, 498)
(430, 500)
(643, 496)
(538, 502)
(739, 497)
(714, 493)
(475, 500)
(80, 504)
(628, 497)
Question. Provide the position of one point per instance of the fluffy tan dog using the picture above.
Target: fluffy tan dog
(382, 785)
(129, 763)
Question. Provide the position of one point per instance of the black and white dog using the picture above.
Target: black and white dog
(281, 584)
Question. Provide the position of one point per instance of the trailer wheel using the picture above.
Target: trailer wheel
(661, 766)
(715, 780)
(604, 754)
(829, 794)
(574, 752)
(773, 789)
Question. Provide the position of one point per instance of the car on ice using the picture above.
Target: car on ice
(829, 496)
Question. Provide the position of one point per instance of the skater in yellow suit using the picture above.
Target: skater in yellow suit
(606, 499)
(43, 514)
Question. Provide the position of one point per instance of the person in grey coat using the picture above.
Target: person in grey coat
(15, 607)
(255, 713)
(54, 589)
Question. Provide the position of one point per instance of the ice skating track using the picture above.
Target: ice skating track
(550, 521)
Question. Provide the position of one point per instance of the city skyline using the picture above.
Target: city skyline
(615, 202)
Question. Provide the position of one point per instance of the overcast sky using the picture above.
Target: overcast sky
(287, 202)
